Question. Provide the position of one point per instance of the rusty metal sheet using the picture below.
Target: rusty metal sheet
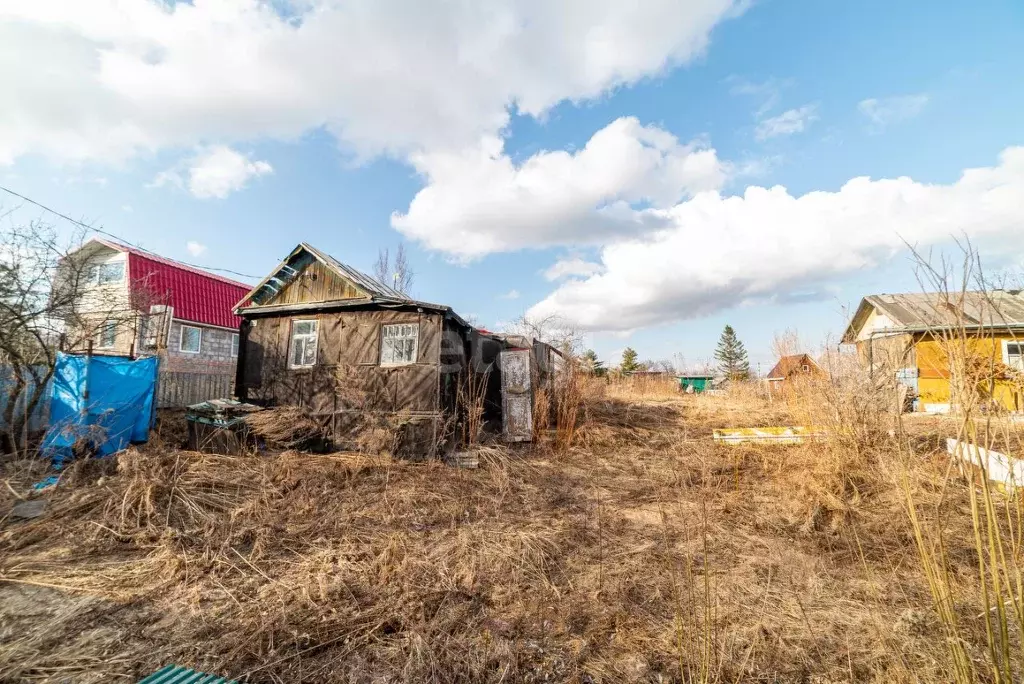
(516, 395)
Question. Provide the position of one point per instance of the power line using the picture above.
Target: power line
(119, 238)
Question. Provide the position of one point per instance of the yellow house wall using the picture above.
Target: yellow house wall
(933, 369)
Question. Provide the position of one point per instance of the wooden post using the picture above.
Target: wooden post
(85, 392)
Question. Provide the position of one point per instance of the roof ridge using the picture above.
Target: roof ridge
(147, 254)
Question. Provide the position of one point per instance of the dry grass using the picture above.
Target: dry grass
(285, 427)
(642, 551)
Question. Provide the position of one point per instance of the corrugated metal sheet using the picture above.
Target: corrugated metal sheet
(174, 674)
(196, 296)
(931, 310)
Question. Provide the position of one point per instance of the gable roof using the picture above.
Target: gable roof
(372, 286)
(923, 311)
(376, 292)
(793, 363)
(197, 296)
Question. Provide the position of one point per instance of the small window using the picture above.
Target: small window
(805, 368)
(398, 344)
(106, 338)
(302, 353)
(110, 273)
(234, 344)
(1015, 355)
(191, 339)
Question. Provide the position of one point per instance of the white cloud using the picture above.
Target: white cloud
(215, 171)
(787, 123)
(479, 201)
(395, 76)
(511, 294)
(195, 248)
(127, 208)
(717, 252)
(218, 171)
(890, 110)
(574, 266)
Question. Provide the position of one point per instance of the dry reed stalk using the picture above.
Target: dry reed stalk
(286, 427)
(469, 399)
(996, 519)
(568, 395)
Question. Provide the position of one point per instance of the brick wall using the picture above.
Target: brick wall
(214, 356)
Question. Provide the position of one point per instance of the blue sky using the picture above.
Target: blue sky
(803, 95)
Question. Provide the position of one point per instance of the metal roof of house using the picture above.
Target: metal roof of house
(790, 364)
(196, 295)
(372, 286)
(377, 292)
(916, 312)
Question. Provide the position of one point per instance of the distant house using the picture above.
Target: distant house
(144, 304)
(901, 334)
(791, 369)
(322, 335)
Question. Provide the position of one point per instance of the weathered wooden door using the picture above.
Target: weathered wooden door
(516, 395)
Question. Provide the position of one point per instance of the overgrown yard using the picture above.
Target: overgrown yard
(644, 552)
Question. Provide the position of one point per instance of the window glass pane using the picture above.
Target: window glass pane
(309, 353)
(108, 335)
(234, 344)
(398, 343)
(190, 338)
(111, 273)
(303, 327)
(297, 350)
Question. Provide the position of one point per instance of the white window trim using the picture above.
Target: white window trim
(415, 347)
(291, 342)
(99, 335)
(1006, 350)
(181, 340)
(236, 342)
(95, 280)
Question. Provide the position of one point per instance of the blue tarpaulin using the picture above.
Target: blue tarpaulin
(105, 402)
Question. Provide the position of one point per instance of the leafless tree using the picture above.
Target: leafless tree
(398, 274)
(48, 302)
(553, 329)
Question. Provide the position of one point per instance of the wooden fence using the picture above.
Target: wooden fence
(177, 389)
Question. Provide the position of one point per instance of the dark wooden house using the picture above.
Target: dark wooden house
(322, 335)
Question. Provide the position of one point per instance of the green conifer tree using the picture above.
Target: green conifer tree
(629, 362)
(732, 356)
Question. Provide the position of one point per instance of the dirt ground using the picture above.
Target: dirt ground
(645, 552)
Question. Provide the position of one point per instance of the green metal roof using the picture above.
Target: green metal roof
(175, 674)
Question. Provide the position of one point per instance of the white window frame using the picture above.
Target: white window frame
(234, 345)
(181, 340)
(415, 337)
(97, 270)
(106, 325)
(1006, 353)
(313, 337)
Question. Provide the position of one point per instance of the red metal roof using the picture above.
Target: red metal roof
(196, 295)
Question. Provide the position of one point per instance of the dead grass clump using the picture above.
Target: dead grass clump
(568, 397)
(286, 427)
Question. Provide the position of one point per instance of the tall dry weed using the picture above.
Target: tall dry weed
(996, 513)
